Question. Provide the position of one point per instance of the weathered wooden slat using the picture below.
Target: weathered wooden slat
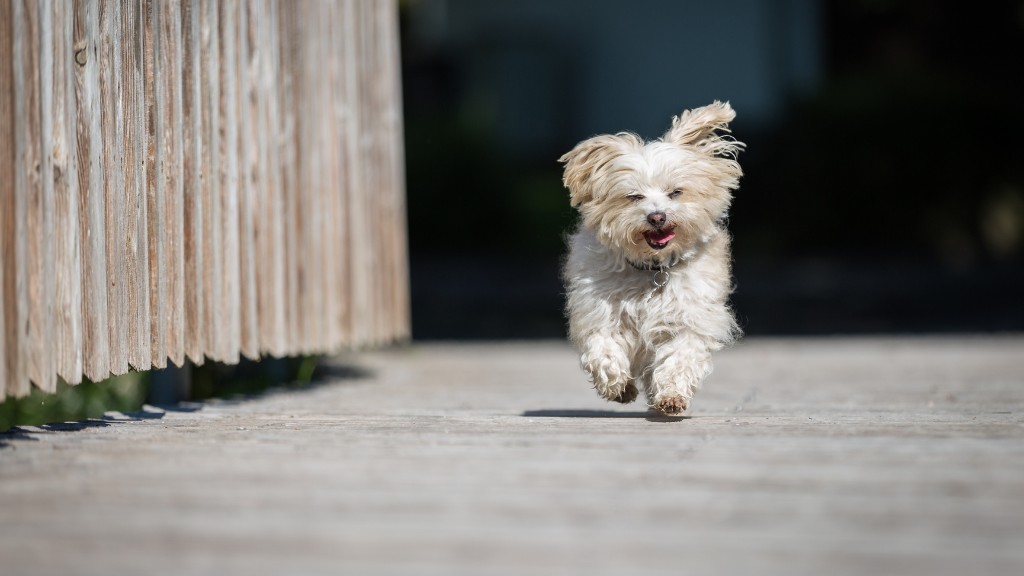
(348, 128)
(136, 146)
(359, 272)
(113, 176)
(310, 162)
(328, 190)
(3, 270)
(246, 50)
(154, 104)
(34, 143)
(270, 275)
(213, 261)
(192, 185)
(288, 31)
(393, 194)
(334, 189)
(296, 213)
(171, 86)
(93, 230)
(370, 83)
(230, 276)
(68, 273)
(196, 178)
(10, 352)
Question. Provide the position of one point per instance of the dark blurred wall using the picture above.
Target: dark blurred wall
(883, 191)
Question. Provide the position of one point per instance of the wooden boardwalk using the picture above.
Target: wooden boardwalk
(828, 456)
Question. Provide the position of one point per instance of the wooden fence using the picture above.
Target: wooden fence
(196, 179)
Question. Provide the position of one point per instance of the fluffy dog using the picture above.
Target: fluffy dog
(648, 270)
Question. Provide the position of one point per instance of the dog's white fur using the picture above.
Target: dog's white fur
(641, 314)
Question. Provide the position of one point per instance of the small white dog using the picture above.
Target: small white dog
(648, 271)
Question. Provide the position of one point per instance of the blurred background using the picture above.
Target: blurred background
(884, 171)
(884, 174)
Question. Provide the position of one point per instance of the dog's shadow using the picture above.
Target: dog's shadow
(649, 415)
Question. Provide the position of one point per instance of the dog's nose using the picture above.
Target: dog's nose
(657, 219)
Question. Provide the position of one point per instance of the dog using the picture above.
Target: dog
(648, 271)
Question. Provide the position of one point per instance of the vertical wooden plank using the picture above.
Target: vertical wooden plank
(68, 280)
(277, 182)
(5, 135)
(323, 267)
(112, 128)
(288, 154)
(12, 378)
(269, 232)
(154, 103)
(37, 167)
(192, 192)
(295, 213)
(313, 192)
(138, 63)
(346, 116)
(171, 86)
(211, 124)
(334, 254)
(327, 187)
(247, 120)
(371, 82)
(306, 217)
(136, 240)
(230, 289)
(95, 330)
(398, 270)
(360, 270)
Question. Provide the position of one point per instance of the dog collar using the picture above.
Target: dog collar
(660, 270)
(654, 266)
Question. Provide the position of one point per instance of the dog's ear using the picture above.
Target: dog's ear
(699, 127)
(589, 158)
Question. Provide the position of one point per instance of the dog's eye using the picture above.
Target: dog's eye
(634, 197)
(675, 193)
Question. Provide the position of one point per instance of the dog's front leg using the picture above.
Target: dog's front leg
(679, 367)
(603, 356)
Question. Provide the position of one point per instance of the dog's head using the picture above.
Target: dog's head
(655, 201)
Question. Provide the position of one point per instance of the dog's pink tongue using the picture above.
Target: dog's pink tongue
(660, 236)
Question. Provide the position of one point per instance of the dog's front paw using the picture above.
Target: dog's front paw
(610, 376)
(672, 404)
(626, 395)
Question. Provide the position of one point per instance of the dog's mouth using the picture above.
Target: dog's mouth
(658, 239)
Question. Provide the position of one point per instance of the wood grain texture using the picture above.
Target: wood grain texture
(68, 272)
(136, 86)
(9, 351)
(192, 187)
(155, 102)
(193, 179)
(246, 48)
(113, 176)
(230, 302)
(288, 158)
(38, 163)
(269, 227)
(212, 255)
(172, 88)
(92, 205)
(802, 457)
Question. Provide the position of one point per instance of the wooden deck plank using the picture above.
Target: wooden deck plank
(800, 456)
